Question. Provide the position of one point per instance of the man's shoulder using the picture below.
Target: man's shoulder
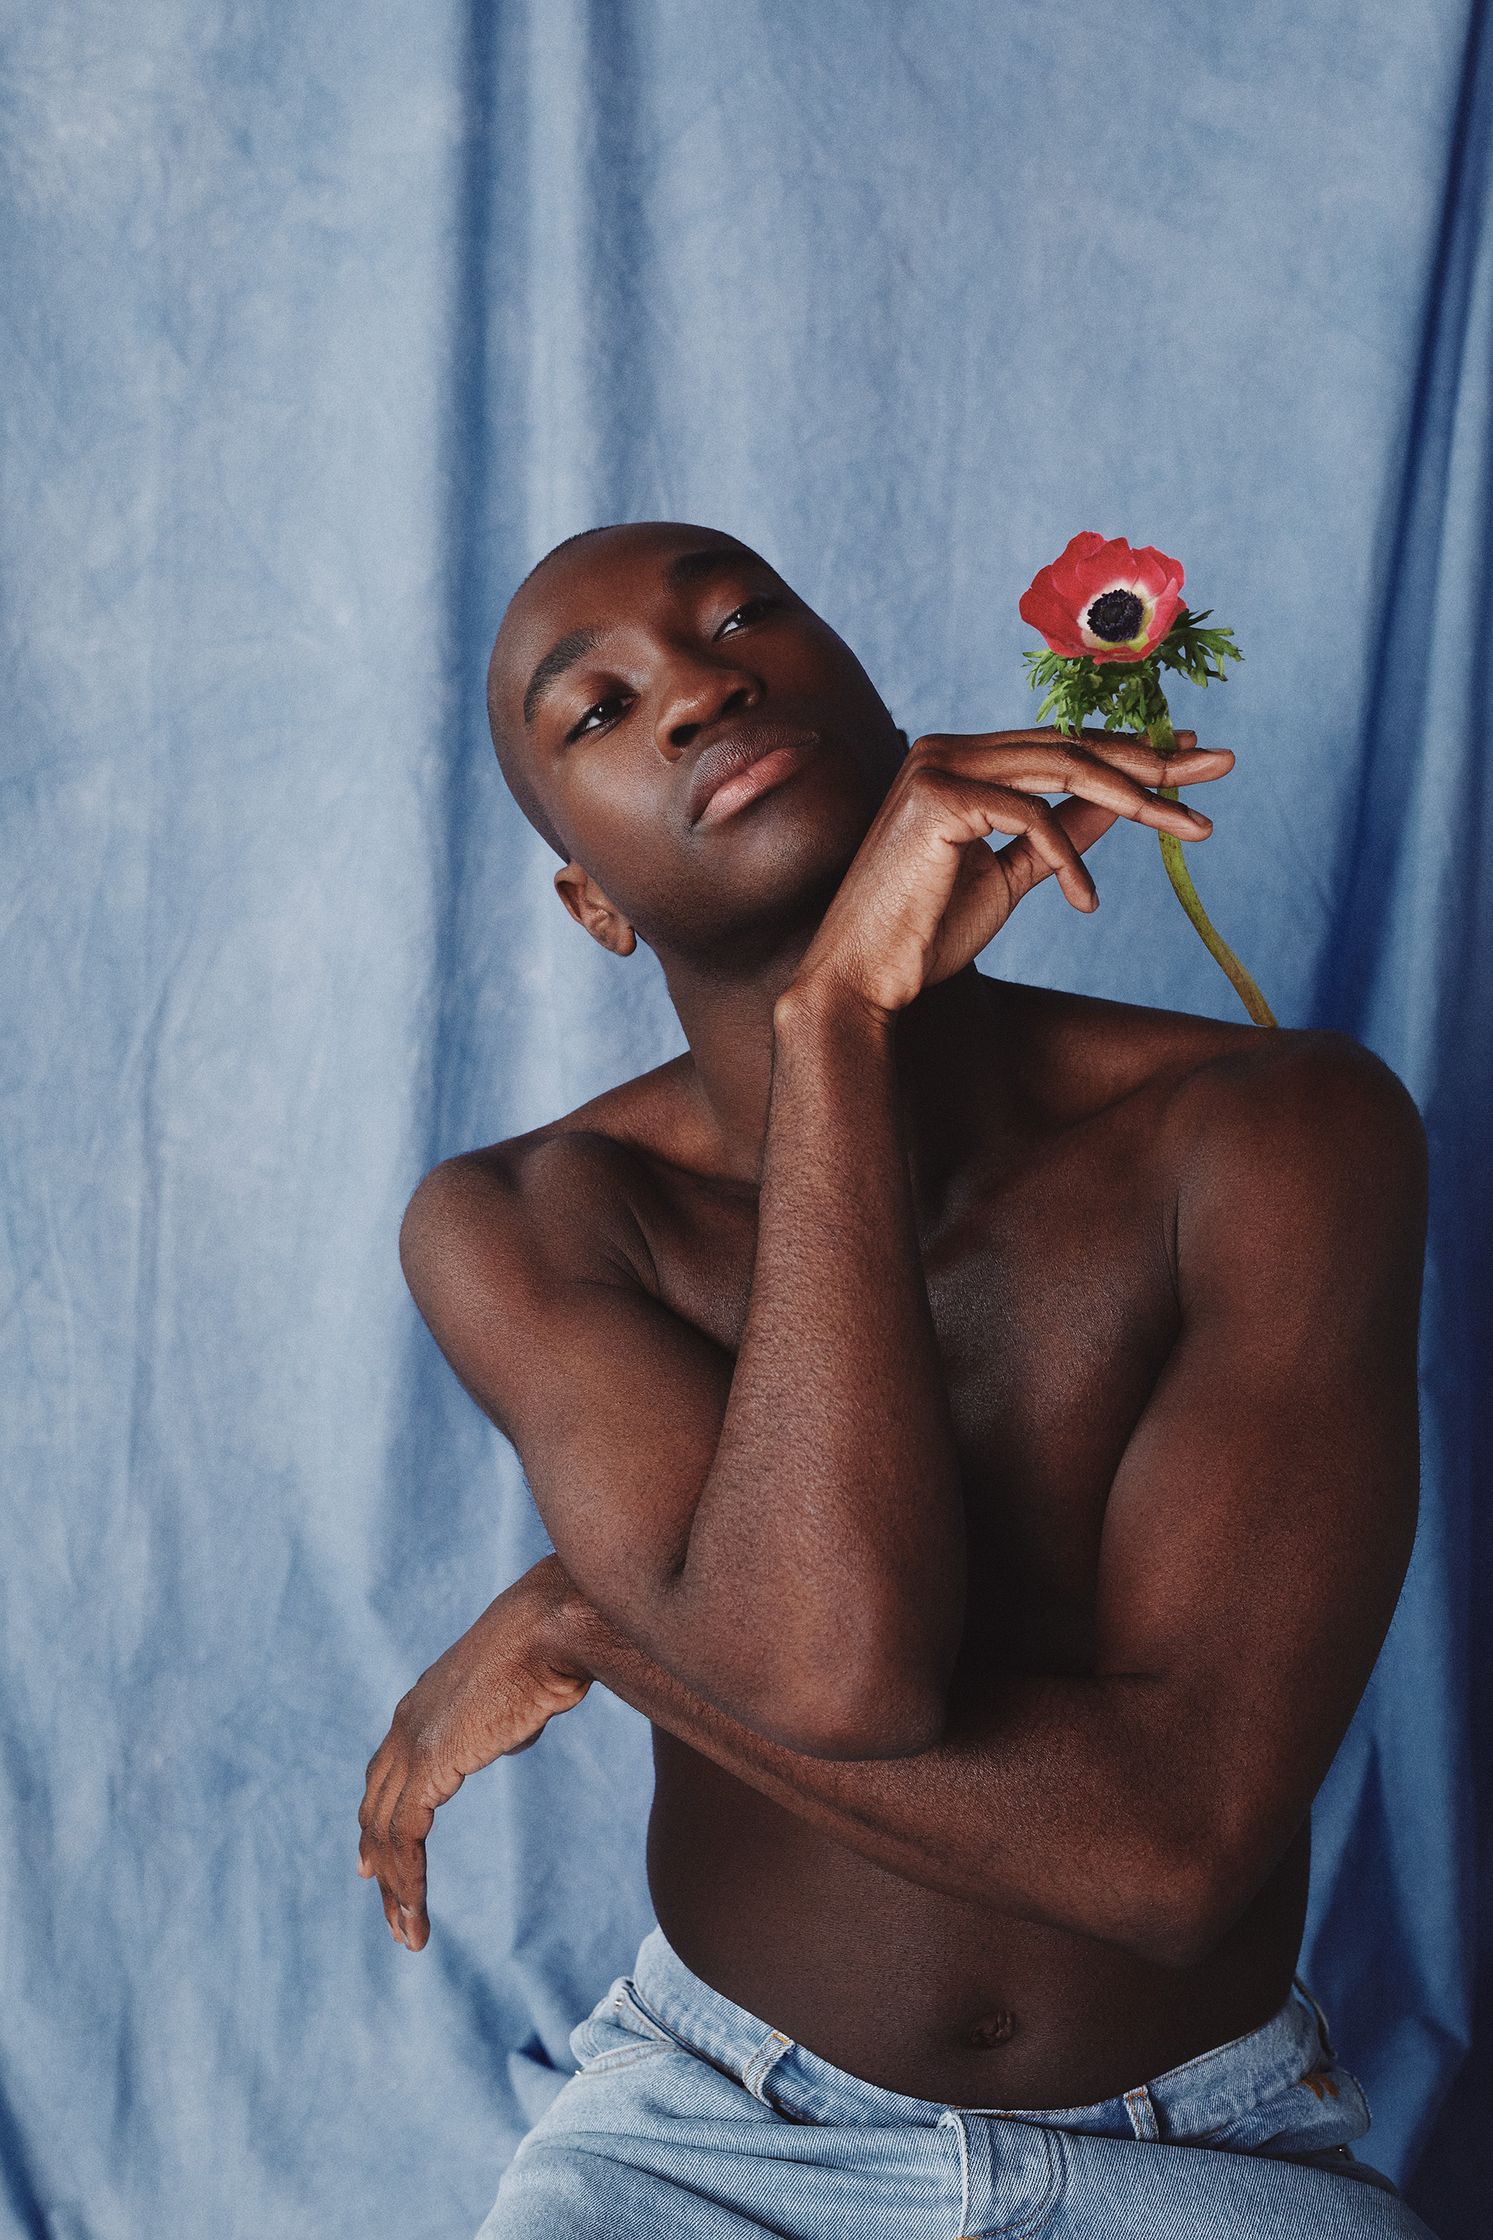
(1301, 1148)
(1312, 1095)
(1206, 1073)
(565, 1187)
(1262, 1141)
(1085, 1061)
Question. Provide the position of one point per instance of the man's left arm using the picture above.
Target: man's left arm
(1255, 1540)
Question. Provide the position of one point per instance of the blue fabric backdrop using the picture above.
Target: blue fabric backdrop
(320, 324)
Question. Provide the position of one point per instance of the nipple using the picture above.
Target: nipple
(990, 2030)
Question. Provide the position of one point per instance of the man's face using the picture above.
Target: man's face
(622, 665)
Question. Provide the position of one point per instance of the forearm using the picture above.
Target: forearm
(825, 1559)
(1051, 1804)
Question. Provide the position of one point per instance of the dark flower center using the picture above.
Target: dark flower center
(1115, 617)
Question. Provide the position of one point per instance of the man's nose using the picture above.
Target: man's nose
(702, 693)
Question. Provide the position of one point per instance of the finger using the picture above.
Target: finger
(1187, 763)
(1084, 821)
(1025, 865)
(375, 1848)
(1125, 798)
(374, 1864)
(1112, 743)
(373, 1776)
(1058, 751)
(1093, 780)
(379, 1799)
(1049, 735)
(389, 1753)
(1187, 766)
(1042, 845)
(402, 1889)
(409, 1825)
(1091, 735)
(1053, 766)
(401, 1929)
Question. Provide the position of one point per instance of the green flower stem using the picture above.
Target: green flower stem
(1161, 735)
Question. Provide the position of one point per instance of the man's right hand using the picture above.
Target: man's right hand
(491, 1694)
(922, 897)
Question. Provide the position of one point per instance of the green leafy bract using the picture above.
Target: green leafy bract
(1128, 694)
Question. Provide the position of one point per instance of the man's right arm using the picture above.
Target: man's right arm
(787, 1535)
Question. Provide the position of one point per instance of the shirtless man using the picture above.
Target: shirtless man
(976, 1425)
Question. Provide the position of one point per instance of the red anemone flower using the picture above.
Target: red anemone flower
(1105, 598)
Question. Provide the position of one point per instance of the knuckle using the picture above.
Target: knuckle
(409, 1823)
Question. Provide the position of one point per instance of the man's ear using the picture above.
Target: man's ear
(590, 908)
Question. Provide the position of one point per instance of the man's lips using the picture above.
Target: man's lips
(714, 790)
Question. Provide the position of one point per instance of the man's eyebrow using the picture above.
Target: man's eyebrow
(685, 568)
(711, 560)
(562, 655)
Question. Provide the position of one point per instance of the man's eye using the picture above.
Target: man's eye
(763, 599)
(599, 709)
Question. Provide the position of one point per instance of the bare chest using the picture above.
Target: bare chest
(1053, 1304)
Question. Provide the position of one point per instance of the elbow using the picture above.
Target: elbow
(862, 1689)
(880, 1720)
(871, 1698)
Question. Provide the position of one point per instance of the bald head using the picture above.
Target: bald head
(508, 726)
(631, 664)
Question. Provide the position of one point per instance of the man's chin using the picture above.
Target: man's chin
(799, 830)
(760, 903)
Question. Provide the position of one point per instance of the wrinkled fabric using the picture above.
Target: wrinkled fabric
(320, 325)
(689, 2118)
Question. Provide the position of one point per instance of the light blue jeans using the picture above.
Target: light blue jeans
(690, 2119)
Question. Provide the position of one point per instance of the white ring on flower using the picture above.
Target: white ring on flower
(1112, 645)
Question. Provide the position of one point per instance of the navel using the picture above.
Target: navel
(990, 2030)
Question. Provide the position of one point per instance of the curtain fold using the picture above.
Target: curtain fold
(320, 326)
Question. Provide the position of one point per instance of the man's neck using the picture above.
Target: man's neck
(955, 1066)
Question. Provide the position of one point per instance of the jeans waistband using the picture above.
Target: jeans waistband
(1197, 2095)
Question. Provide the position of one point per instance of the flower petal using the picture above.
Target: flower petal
(1163, 615)
(1070, 571)
(1156, 569)
(1045, 611)
(1061, 594)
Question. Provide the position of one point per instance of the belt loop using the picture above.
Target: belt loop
(966, 2216)
(1327, 2045)
(1141, 2109)
(763, 2061)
